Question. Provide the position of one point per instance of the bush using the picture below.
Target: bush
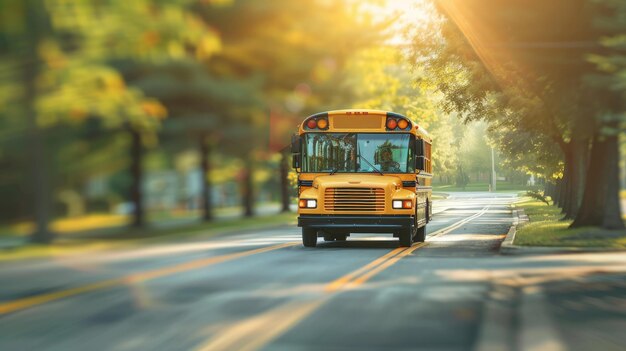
(538, 195)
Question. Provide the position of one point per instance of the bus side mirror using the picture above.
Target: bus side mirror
(420, 163)
(296, 144)
(420, 148)
(296, 148)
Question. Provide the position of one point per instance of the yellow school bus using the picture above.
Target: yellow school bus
(362, 171)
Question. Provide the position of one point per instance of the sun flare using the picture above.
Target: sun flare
(405, 14)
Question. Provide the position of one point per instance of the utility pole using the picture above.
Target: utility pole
(493, 171)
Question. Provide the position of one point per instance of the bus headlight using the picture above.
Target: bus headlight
(305, 203)
(402, 204)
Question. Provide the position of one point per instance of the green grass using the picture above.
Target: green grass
(500, 187)
(125, 238)
(547, 229)
(107, 222)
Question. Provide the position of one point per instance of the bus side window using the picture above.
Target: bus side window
(411, 156)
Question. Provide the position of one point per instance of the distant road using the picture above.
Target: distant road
(265, 291)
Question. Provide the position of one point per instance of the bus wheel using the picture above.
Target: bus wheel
(329, 237)
(340, 237)
(420, 234)
(309, 237)
(406, 237)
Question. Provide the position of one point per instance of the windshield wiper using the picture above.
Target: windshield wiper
(371, 165)
(336, 169)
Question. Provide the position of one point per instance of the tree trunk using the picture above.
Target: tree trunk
(623, 174)
(575, 164)
(600, 205)
(566, 193)
(248, 191)
(548, 190)
(136, 170)
(39, 172)
(553, 191)
(284, 182)
(623, 162)
(567, 177)
(205, 164)
(560, 195)
(581, 148)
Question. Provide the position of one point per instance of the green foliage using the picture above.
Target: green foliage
(297, 63)
(214, 69)
(462, 179)
(474, 152)
(538, 195)
(540, 74)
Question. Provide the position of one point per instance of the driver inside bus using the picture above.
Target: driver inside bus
(387, 164)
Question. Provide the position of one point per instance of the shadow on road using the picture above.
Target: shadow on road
(359, 244)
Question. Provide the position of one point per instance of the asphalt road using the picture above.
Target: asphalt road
(263, 291)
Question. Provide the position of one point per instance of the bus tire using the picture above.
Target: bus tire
(420, 234)
(309, 237)
(406, 237)
(340, 237)
(329, 237)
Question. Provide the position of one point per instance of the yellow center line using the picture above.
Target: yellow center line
(363, 274)
(344, 280)
(257, 331)
(365, 277)
(27, 302)
(393, 260)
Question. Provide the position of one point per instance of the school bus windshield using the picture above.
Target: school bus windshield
(356, 153)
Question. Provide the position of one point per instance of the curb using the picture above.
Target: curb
(519, 219)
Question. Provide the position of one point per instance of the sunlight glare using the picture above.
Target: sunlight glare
(407, 14)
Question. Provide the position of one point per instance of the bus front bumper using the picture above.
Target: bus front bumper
(356, 223)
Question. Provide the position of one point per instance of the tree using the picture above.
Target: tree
(601, 205)
(22, 39)
(95, 89)
(521, 70)
(296, 61)
(200, 107)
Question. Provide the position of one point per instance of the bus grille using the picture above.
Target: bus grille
(354, 199)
